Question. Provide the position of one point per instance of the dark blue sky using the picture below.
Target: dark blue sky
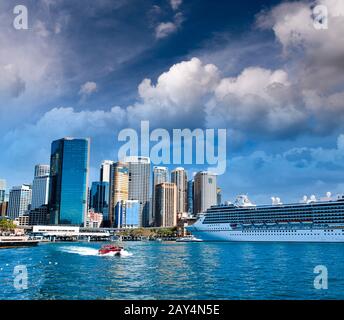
(260, 69)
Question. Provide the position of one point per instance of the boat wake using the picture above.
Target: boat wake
(125, 253)
(82, 251)
(86, 251)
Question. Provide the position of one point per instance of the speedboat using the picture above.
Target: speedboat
(109, 248)
(189, 239)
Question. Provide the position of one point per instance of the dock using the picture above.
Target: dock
(17, 242)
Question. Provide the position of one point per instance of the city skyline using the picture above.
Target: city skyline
(4, 192)
(126, 195)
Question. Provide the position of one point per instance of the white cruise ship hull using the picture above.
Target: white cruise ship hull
(225, 233)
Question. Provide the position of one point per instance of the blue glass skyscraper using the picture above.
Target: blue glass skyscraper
(69, 167)
(131, 217)
(99, 200)
(190, 196)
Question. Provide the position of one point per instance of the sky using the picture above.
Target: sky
(259, 69)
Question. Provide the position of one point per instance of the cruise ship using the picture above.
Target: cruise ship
(307, 221)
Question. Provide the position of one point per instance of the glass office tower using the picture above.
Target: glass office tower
(139, 180)
(40, 186)
(99, 200)
(131, 216)
(69, 168)
(190, 196)
(160, 175)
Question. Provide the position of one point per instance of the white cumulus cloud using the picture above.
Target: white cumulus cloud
(179, 92)
(88, 88)
(164, 29)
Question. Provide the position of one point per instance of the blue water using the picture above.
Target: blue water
(153, 270)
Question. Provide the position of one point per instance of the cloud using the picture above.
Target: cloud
(175, 4)
(308, 170)
(193, 94)
(30, 143)
(256, 101)
(11, 84)
(88, 88)
(164, 29)
(317, 54)
(33, 140)
(48, 60)
(29, 60)
(179, 94)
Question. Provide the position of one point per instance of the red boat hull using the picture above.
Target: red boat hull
(110, 249)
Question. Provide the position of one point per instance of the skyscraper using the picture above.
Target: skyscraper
(190, 196)
(131, 214)
(2, 190)
(69, 169)
(139, 176)
(39, 216)
(19, 201)
(205, 191)
(105, 171)
(42, 170)
(160, 175)
(166, 205)
(3, 209)
(99, 200)
(119, 188)
(40, 186)
(179, 178)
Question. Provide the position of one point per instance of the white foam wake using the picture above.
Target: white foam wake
(125, 253)
(83, 251)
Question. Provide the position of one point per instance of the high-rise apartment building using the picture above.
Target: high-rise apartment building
(160, 175)
(205, 191)
(2, 190)
(42, 170)
(39, 216)
(69, 169)
(19, 201)
(40, 186)
(139, 180)
(105, 171)
(99, 200)
(3, 208)
(166, 205)
(119, 188)
(179, 178)
(127, 214)
(131, 214)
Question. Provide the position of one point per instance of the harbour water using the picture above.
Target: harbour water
(169, 270)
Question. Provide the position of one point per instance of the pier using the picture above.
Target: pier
(12, 242)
